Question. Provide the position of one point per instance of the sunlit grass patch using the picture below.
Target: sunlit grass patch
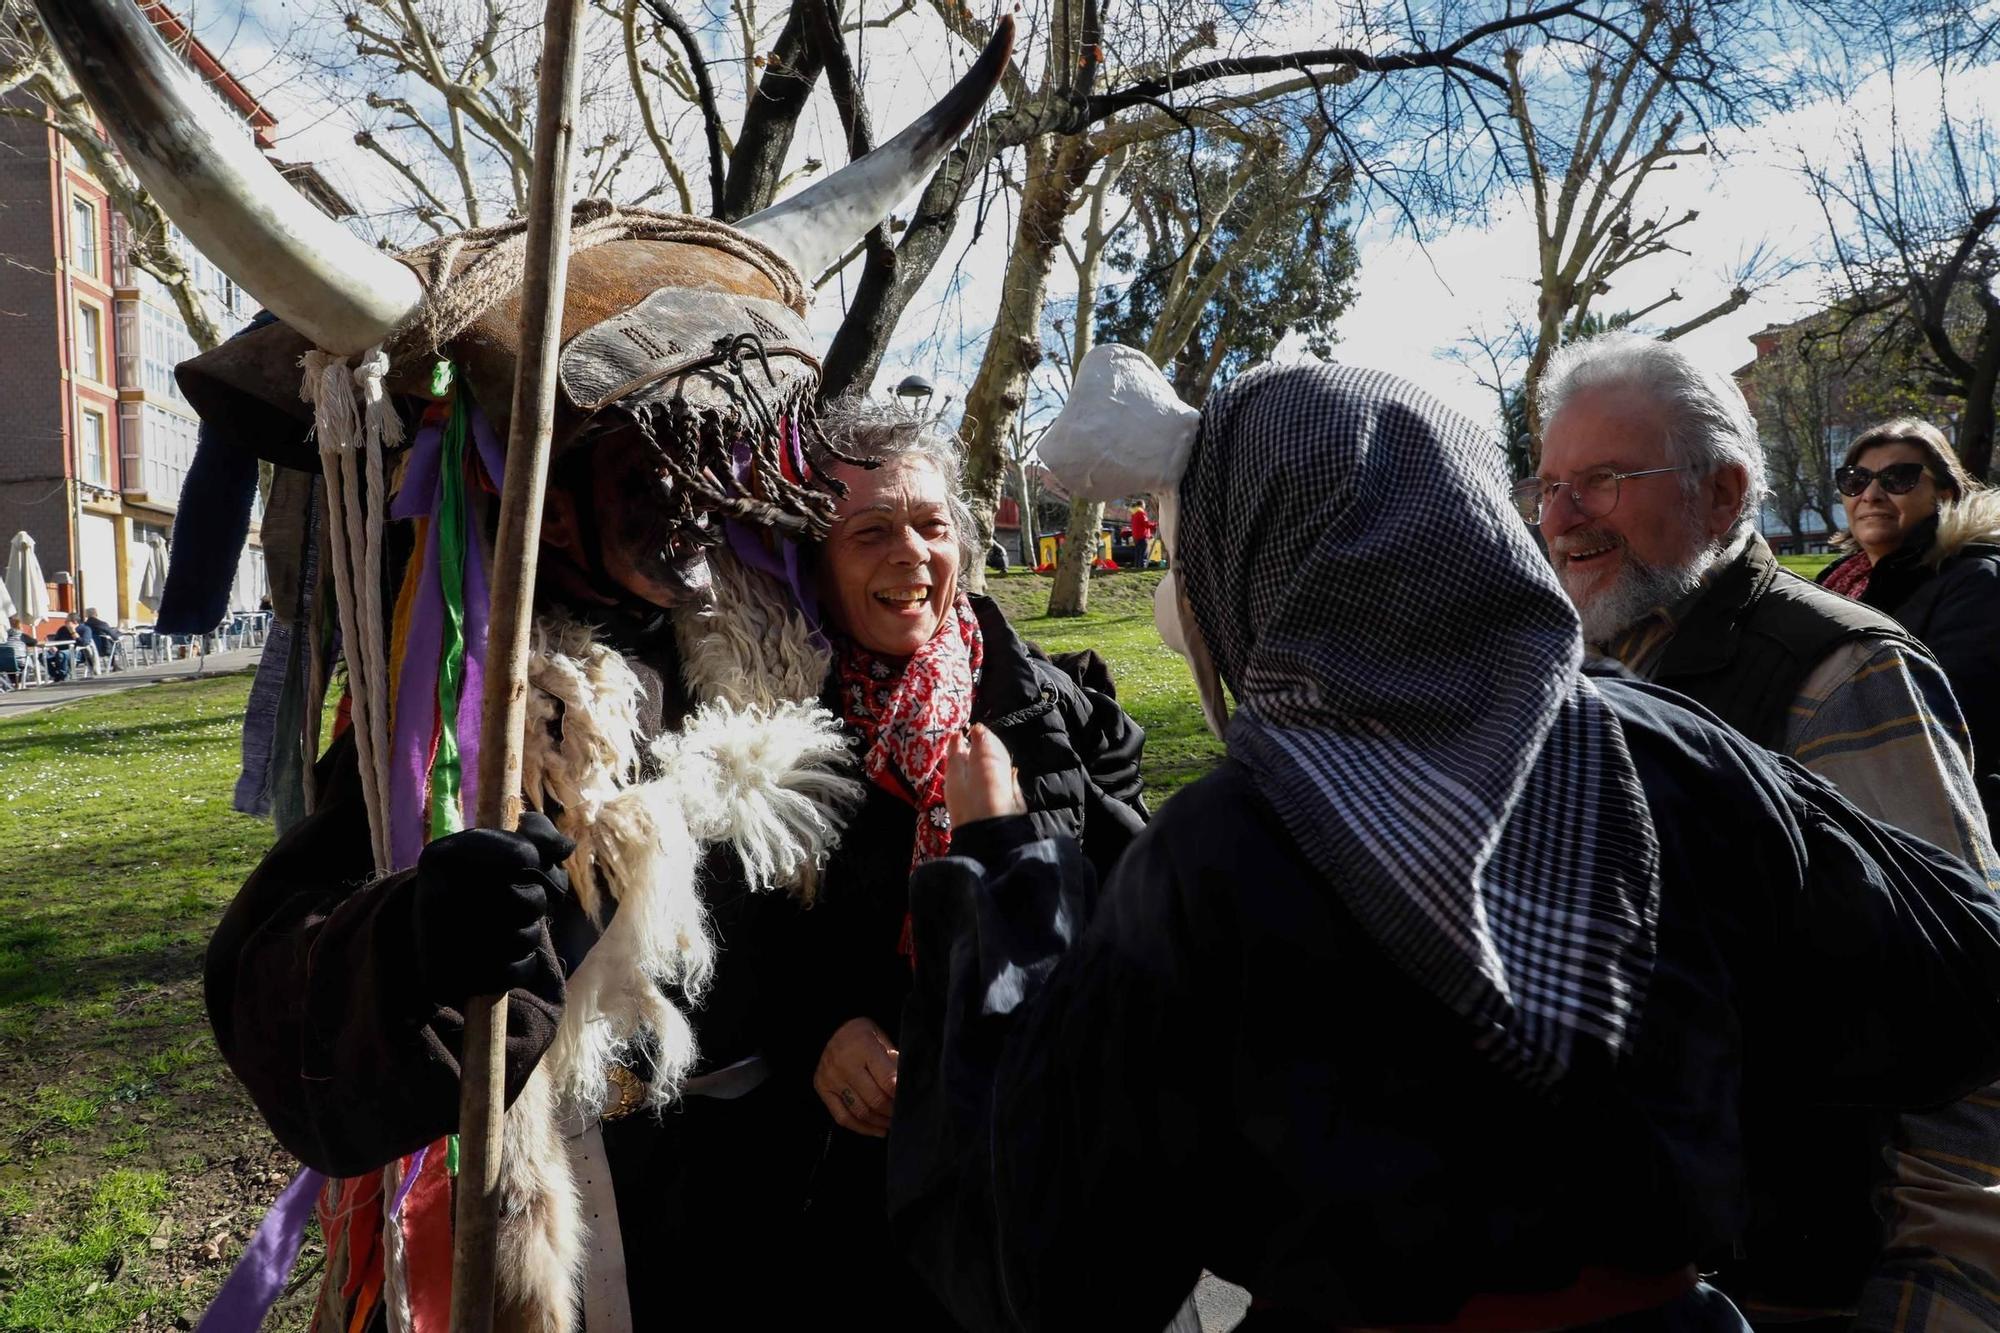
(121, 851)
(1153, 682)
(74, 1275)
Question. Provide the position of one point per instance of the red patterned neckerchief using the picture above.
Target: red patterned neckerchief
(908, 713)
(1850, 577)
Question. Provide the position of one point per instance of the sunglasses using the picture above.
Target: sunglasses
(1897, 478)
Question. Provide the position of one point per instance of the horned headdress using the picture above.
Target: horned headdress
(689, 330)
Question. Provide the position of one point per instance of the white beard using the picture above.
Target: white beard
(1642, 589)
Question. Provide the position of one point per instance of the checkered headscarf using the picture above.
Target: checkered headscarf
(1406, 670)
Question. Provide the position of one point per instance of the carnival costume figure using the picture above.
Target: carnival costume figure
(682, 772)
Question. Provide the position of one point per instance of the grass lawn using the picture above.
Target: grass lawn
(132, 1167)
(1153, 682)
(1807, 566)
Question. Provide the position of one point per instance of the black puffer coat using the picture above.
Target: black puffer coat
(1078, 758)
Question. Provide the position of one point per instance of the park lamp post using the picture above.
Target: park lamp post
(915, 391)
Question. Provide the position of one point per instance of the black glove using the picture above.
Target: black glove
(482, 897)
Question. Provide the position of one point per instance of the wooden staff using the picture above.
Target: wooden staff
(503, 714)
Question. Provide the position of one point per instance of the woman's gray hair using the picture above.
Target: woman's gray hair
(871, 431)
(1708, 423)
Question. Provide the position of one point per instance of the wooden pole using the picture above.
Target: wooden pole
(482, 1097)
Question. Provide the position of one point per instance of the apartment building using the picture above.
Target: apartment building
(95, 438)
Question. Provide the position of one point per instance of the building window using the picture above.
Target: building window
(89, 341)
(83, 237)
(96, 468)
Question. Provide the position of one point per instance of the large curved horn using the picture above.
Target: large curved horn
(816, 226)
(194, 158)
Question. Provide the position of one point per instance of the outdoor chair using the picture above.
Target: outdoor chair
(23, 666)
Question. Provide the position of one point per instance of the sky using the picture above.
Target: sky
(1415, 297)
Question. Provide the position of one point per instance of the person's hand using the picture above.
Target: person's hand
(482, 896)
(856, 1078)
(979, 779)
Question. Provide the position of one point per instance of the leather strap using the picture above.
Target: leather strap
(607, 1304)
(731, 1081)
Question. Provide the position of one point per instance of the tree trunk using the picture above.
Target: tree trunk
(1548, 336)
(768, 122)
(1055, 170)
(1071, 594)
(1030, 538)
(1975, 424)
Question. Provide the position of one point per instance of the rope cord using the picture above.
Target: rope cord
(457, 296)
(349, 418)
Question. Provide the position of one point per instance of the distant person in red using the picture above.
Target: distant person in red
(1143, 528)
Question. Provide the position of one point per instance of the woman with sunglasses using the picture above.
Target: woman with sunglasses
(1927, 551)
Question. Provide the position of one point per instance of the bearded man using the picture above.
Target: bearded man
(1450, 1000)
(1651, 477)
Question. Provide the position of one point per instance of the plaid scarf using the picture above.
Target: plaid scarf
(1411, 704)
(909, 711)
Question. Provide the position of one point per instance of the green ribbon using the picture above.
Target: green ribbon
(446, 817)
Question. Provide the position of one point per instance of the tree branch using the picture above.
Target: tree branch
(711, 117)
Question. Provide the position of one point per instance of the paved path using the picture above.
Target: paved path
(16, 703)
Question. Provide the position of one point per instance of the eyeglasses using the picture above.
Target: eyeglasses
(1897, 478)
(1594, 494)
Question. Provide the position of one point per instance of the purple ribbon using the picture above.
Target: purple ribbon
(416, 688)
(767, 552)
(409, 1179)
(258, 1279)
(478, 599)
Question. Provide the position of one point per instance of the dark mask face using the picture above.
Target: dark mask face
(652, 543)
(624, 521)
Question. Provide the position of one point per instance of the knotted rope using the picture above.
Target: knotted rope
(352, 416)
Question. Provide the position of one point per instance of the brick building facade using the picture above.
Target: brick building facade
(95, 438)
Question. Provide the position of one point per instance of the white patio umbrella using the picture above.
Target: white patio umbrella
(24, 582)
(153, 587)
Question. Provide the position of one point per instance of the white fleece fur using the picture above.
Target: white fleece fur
(772, 782)
(754, 767)
(750, 645)
(1976, 518)
(542, 1231)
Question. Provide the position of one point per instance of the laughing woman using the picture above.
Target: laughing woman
(917, 660)
(1927, 551)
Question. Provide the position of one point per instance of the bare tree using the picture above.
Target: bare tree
(37, 86)
(1600, 114)
(1497, 361)
(1800, 402)
(1229, 246)
(447, 89)
(1915, 231)
(1406, 98)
